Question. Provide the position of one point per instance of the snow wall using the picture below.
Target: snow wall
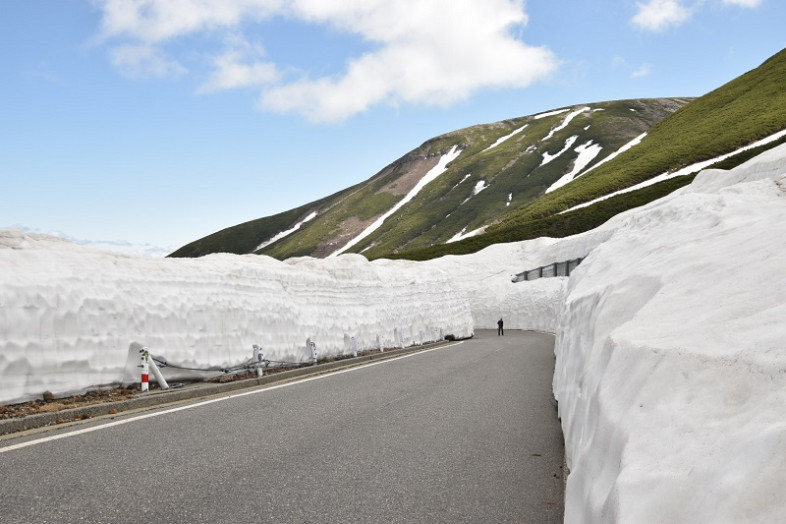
(68, 314)
(671, 358)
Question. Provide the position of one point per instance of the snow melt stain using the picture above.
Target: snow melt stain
(433, 173)
(287, 232)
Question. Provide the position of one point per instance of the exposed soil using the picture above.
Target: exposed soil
(49, 404)
(58, 404)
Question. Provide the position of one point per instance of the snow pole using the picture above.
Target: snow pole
(354, 346)
(145, 382)
(157, 373)
(259, 358)
(313, 347)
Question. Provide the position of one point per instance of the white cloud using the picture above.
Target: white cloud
(142, 61)
(238, 67)
(432, 52)
(656, 15)
(743, 3)
(155, 21)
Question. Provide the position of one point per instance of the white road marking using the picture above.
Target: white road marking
(108, 425)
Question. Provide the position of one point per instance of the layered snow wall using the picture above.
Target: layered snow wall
(671, 358)
(68, 314)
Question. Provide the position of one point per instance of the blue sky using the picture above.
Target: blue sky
(161, 121)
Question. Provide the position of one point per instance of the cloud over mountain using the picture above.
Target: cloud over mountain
(433, 52)
(658, 15)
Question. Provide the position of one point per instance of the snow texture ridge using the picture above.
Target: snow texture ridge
(68, 314)
(671, 371)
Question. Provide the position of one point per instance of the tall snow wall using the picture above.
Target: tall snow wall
(68, 313)
(671, 358)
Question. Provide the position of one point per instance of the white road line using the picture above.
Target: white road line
(108, 425)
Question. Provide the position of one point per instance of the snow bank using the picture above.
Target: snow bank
(68, 313)
(485, 278)
(671, 357)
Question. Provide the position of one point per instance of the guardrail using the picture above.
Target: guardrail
(557, 269)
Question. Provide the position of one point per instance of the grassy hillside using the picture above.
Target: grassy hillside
(502, 186)
(744, 110)
(511, 173)
(577, 221)
(244, 238)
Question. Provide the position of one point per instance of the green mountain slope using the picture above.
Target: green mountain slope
(500, 168)
(749, 108)
(514, 180)
(746, 109)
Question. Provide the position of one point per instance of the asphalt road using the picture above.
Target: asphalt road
(462, 433)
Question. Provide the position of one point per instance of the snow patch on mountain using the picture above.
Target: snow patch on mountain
(688, 170)
(636, 141)
(433, 173)
(568, 143)
(565, 122)
(550, 113)
(587, 153)
(461, 235)
(502, 139)
(288, 232)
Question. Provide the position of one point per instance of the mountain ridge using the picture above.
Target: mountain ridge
(345, 214)
(524, 177)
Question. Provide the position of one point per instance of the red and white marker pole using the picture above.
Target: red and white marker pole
(145, 370)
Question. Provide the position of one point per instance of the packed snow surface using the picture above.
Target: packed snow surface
(671, 357)
(670, 340)
(68, 313)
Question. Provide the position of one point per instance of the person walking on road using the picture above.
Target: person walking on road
(500, 331)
